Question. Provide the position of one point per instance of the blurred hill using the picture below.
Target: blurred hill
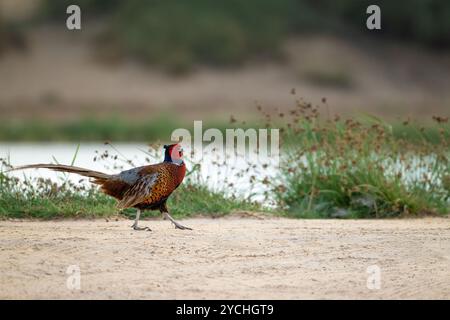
(202, 58)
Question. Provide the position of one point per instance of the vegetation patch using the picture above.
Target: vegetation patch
(122, 130)
(361, 168)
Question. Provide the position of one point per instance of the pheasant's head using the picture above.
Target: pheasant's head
(173, 153)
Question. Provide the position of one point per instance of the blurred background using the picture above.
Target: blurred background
(138, 69)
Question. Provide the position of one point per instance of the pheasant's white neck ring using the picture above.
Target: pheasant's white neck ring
(178, 162)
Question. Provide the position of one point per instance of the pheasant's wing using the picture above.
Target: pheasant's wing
(139, 191)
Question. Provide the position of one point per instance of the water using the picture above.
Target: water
(212, 171)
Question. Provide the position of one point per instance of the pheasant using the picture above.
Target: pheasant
(143, 188)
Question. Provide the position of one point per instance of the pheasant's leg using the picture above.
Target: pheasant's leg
(136, 221)
(177, 225)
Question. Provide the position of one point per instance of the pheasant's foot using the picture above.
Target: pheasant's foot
(176, 224)
(180, 226)
(136, 221)
(135, 227)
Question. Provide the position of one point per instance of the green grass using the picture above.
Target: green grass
(121, 130)
(15, 205)
(88, 129)
(94, 130)
(46, 200)
(197, 199)
(362, 168)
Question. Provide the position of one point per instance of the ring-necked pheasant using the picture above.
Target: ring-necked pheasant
(143, 188)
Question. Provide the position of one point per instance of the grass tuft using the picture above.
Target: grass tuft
(361, 168)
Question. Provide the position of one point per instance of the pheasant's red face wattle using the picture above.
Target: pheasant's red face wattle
(176, 152)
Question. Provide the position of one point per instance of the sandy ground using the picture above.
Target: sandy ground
(270, 258)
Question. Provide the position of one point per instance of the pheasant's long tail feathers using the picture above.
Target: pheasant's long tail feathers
(99, 177)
